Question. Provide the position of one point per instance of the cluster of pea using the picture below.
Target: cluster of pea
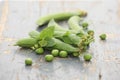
(62, 54)
(60, 41)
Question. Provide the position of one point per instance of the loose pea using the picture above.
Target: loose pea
(28, 61)
(75, 54)
(87, 57)
(49, 58)
(85, 25)
(39, 51)
(103, 36)
(55, 52)
(63, 54)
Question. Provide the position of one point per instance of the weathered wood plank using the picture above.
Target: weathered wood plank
(19, 17)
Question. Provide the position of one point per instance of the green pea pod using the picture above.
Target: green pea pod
(71, 39)
(64, 46)
(59, 16)
(26, 42)
(74, 23)
(60, 31)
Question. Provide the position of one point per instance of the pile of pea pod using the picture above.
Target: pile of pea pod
(61, 42)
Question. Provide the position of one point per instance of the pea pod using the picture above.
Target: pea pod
(71, 39)
(60, 31)
(74, 23)
(59, 16)
(26, 42)
(64, 46)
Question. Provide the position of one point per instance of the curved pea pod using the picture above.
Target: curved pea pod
(26, 42)
(64, 46)
(74, 23)
(59, 16)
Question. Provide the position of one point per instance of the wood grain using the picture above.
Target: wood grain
(19, 17)
(3, 18)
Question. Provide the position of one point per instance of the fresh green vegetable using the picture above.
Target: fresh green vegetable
(34, 34)
(56, 26)
(60, 31)
(42, 43)
(103, 36)
(64, 46)
(63, 54)
(90, 32)
(50, 42)
(55, 52)
(75, 54)
(49, 58)
(48, 32)
(74, 23)
(28, 61)
(87, 57)
(39, 51)
(60, 41)
(59, 16)
(85, 25)
(45, 36)
(26, 42)
(68, 36)
(84, 43)
(71, 39)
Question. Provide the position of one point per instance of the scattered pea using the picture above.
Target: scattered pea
(28, 61)
(85, 25)
(49, 58)
(87, 57)
(63, 54)
(55, 52)
(39, 51)
(103, 36)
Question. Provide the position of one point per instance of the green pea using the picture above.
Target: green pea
(55, 52)
(49, 58)
(63, 54)
(103, 36)
(39, 51)
(85, 25)
(75, 54)
(87, 57)
(28, 61)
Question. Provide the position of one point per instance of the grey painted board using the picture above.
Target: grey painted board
(17, 18)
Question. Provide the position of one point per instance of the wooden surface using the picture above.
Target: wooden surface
(17, 18)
